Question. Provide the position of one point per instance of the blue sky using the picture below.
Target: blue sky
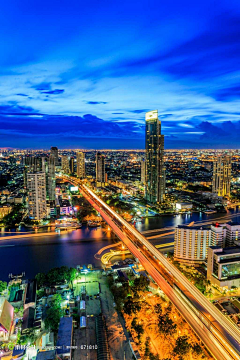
(77, 74)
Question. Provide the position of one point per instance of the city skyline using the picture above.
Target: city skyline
(80, 78)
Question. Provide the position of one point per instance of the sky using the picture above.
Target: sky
(82, 74)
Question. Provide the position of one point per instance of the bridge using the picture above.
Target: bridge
(109, 255)
(219, 334)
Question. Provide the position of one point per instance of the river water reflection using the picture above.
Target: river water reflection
(39, 254)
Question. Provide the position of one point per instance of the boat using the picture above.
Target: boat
(93, 224)
(208, 212)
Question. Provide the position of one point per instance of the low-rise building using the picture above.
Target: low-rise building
(6, 319)
(223, 266)
(183, 206)
(5, 210)
(64, 339)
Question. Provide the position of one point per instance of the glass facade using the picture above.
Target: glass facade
(230, 270)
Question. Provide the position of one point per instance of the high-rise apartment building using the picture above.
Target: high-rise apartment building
(80, 165)
(155, 170)
(54, 152)
(71, 164)
(143, 171)
(100, 169)
(36, 185)
(65, 164)
(48, 167)
(222, 175)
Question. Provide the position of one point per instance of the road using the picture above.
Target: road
(218, 333)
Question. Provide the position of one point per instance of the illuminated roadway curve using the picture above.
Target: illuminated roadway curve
(219, 334)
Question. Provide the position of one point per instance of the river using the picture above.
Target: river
(39, 254)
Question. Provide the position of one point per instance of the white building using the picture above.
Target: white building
(36, 185)
(191, 243)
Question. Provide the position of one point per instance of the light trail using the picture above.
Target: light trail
(224, 335)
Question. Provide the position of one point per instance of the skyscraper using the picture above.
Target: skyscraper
(100, 169)
(222, 175)
(143, 171)
(36, 185)
(80, 165)
(65, 164)
(54, 152)
(72, 165)
(155, 171)
(51, 178)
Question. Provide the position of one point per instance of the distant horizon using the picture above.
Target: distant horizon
(112, 149)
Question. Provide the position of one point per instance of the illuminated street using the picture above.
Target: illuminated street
(220, 336)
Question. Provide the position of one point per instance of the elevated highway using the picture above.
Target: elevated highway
(219, 334)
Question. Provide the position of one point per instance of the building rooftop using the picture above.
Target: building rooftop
(227, 251)
(64, 338)
(46, 355)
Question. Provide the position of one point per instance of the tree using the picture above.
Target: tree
(140, 284)
(147, 347)
(3, 286)
(41, 279)
(197, 349)
(165, 325)
(182, 346)
(158, 309)
(131, 306)
(54, 313)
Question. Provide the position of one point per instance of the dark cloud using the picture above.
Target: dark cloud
(53, 92)
(42, 86)
(62, 127)
(118, 113)
(228, 94)
(21, 95)
(96, 102)
(139, 111)
(12, 108)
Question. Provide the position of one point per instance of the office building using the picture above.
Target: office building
(71, 164)
(54, 152)
(80, 165)
(143, 171)
(222, 175)
(191, 243)
(100, 169)
(36, 185)
(223, 266)
(155, 171)
(65, 164)
(51, 178)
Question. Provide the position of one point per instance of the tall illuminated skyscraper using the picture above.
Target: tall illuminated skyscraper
(65, 164)
(80, 165)
(100, 169)
(222, 175)
(155, 170)
(54, 152)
